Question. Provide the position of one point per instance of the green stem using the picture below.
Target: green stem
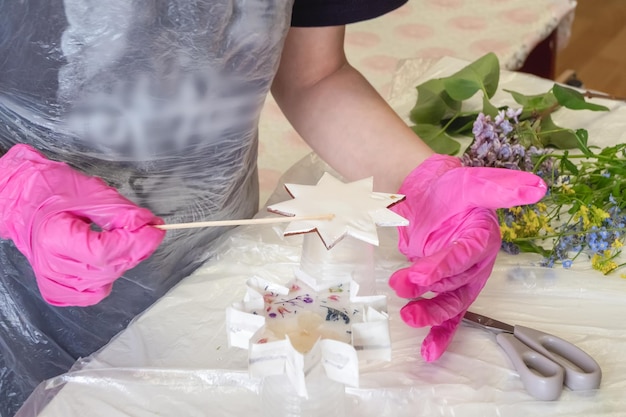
(597, 156)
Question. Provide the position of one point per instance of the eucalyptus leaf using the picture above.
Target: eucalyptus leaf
(462, 88)
(574, 100)
(436, 137)
(536, 103)
(488, 108)
(482, 74)
(553, 135)
(433, 103)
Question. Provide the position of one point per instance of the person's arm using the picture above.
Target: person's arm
(339, 114)
(453, 236)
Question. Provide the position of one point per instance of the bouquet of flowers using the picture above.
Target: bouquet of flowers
(583, 215)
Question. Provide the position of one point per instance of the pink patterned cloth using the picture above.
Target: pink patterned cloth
(47, 209)
(452, 240)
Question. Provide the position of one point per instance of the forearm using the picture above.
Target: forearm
(349, 124)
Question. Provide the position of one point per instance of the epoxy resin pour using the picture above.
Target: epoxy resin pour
(328, 317)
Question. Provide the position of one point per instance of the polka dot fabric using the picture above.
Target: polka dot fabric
(463, 29)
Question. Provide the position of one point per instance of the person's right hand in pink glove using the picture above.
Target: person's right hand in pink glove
(452, 239)
(47, 209)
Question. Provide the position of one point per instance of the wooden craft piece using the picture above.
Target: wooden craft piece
(357, 209)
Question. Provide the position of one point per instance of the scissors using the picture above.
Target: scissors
(544, 362)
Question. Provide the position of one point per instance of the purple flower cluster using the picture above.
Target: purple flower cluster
(497, 144)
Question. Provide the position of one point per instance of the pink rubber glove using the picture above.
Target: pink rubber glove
(47, 209)
(452, 240)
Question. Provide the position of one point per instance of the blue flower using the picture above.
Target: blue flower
(547, 262)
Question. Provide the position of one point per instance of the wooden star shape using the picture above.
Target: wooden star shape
(356, 208)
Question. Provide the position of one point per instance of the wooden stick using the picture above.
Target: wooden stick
(241, 222)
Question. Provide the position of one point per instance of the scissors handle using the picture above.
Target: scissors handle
(582, 372)
(542, 377)
(546, 362)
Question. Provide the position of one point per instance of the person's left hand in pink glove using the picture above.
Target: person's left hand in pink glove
(48, 209)
(452, 240)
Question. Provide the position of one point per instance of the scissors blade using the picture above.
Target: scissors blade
(488, 322)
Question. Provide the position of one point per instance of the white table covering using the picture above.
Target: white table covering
(174, 359)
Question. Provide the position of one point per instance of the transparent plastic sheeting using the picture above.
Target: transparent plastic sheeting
(174, 359)
(159, 98)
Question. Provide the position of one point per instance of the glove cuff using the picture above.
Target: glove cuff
(421, 177)
(15, 167)
(15, 160)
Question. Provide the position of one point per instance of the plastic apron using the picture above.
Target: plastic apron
(161, 99)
